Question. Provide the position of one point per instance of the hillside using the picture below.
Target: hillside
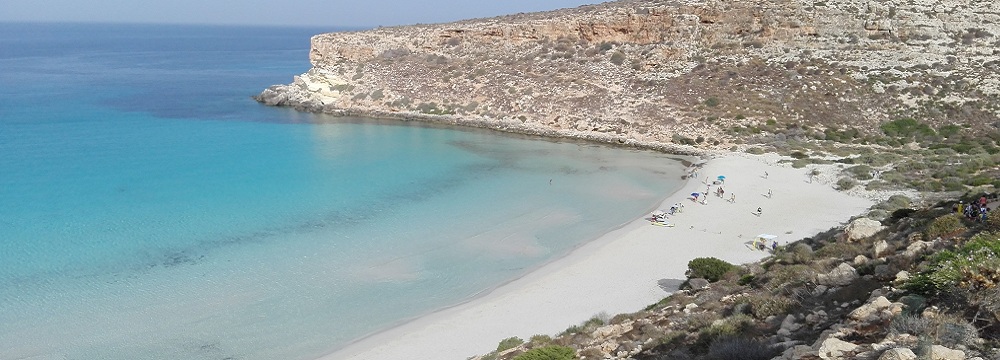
(709, 74)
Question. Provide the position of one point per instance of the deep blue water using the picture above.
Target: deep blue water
(149, 209)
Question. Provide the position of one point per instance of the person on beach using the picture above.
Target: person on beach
(765, 174)
(759, 211)
(732, 198)
(768, 193)
(774, 245)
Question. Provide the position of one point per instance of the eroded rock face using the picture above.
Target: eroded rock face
(654, 72)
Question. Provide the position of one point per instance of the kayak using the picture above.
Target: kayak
(657, 223)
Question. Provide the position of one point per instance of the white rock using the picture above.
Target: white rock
(881, 249)
(834, 348)
(939, 352)
(898, 354)
(843, 275)
(862, 228)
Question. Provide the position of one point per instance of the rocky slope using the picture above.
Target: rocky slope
(857, 292)
(660, 73)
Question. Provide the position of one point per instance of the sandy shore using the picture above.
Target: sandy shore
(622, 271)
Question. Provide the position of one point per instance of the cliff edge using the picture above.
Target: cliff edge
(664, 73)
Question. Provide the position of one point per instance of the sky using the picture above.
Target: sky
(334, 13)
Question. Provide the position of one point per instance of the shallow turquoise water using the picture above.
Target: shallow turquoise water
(150, 209)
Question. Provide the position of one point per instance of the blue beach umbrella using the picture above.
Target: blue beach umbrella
(722, 177)
(696, 194)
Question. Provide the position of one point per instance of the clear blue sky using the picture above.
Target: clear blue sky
(367, 13)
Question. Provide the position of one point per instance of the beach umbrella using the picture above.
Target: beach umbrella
(722, 177)
(696, 194)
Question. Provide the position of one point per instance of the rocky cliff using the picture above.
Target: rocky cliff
(653, 72)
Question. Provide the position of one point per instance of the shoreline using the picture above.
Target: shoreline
(628, 268)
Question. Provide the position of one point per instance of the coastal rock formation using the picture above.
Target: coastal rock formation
(687, 72)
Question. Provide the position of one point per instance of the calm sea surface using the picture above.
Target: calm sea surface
(149, 209)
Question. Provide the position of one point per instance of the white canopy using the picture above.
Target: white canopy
(767, 236)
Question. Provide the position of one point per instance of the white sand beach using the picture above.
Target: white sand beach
(620, 272)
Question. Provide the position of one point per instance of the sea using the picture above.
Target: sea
(150, 209)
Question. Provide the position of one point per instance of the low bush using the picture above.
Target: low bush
(509, 343)
(797, 253)
(861, 172)
(944, 225)
(945, 329)
(763, 305)
(893, 203)
(538, 340)
(909, 324)
(846, 183)
(552, 352)
(710, 269)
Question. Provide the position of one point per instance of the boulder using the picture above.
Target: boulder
(861, 260)
(834, 348)
(939, 352)
(797, 352)
(883, 272)
(862, 228)
(918, 248)
(698, 283)
(870, 311)
(881, 249)
(898, 354)
(816, 317)
(690, 307)
(902, 276)
(843, 275)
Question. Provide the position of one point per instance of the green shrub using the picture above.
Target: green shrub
(509, 343)
(846, 183)
(944, 225)
(763, 305)
(841, 250)
(907, 128)
(722, 328)
(860, 172)
(894, 202)
(540, 340)
(712, 102)
(975, 265)
(552, 352)
(797, 253)
(711, 269)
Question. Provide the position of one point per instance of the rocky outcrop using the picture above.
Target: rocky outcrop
(788, 307)
(692, 73)
(862, 228)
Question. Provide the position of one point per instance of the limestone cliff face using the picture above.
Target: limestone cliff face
(662, 72)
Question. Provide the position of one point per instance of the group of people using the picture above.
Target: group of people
(976, 211)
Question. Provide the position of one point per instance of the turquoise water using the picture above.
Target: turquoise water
(149, 209)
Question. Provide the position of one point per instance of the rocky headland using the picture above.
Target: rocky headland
(672, 74)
